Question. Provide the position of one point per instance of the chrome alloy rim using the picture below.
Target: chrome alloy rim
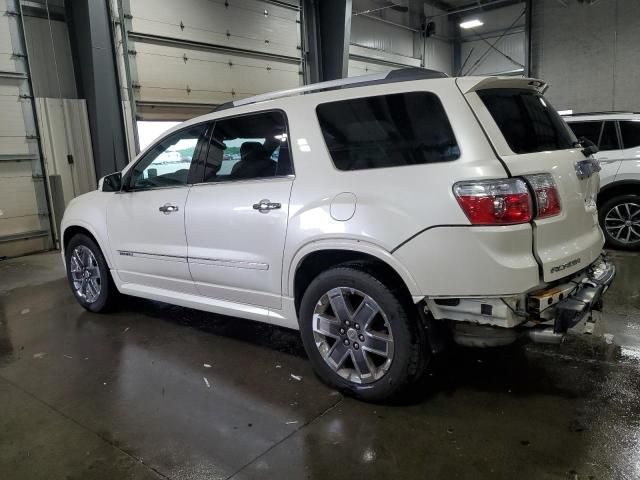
(353, 335)
(622, 222)
(85, 274)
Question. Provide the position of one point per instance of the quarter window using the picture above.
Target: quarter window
(387, 131)
(168, 163)
(249, 147)
(630, 133)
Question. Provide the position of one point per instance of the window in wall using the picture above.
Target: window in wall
(249, 147)
(387, 131)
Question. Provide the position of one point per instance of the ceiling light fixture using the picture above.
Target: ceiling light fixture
(471, 23)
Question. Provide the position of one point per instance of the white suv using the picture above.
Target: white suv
(376, 215)
(617, 136)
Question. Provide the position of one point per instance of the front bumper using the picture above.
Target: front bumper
(570, 303)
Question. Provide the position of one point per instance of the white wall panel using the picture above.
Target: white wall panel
(374, 34)
(64, 125)
(363, 61)
(50, 58)
(438, 55)
(243, 24)
(206, 77)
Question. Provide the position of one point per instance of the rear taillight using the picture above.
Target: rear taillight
(547, 198)
(495, 202)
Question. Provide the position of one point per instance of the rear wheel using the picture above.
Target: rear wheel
(88, 274)
(360, 335)
(620, 221)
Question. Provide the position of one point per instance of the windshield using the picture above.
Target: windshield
(527, 120)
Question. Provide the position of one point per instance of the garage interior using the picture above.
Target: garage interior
(160, 391)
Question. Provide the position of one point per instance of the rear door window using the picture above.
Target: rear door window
(630, 133)
(387, 131)
(248, 147)
(527, 121)
(609, 138)
(590, 130)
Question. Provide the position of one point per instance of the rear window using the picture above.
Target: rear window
(528, 122)
(387, 131)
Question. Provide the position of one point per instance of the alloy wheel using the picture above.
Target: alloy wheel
(85, 274)
(622, 222)
(353, 335)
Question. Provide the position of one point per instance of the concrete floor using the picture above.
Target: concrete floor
(128, 395)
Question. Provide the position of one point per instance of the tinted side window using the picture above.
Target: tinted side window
(167, 164)
(387, 131)
(609, 139)
(589, 130)
(630, 134)
(527, 120)
(249, 146)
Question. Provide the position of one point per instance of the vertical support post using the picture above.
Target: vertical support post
(454, 21)
(327, 36)
(528, 13)
(97, 79)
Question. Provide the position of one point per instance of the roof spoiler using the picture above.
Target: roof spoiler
(471, 84)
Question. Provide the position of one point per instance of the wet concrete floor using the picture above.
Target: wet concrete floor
(156, 391)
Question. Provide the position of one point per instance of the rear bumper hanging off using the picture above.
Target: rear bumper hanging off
(587, 296)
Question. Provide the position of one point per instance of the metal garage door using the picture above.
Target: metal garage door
(184, 61)
(24, 213)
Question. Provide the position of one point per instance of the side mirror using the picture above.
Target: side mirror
(112, 183)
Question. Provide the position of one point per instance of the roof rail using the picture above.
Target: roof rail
(610, 112)
(399, 75)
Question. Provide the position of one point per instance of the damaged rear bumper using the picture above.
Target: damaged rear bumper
(543, 316)
(572, 302)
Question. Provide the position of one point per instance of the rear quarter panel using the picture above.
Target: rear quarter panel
(391, 204)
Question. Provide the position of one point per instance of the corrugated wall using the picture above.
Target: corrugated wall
(588, 53)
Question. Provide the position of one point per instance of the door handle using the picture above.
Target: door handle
(263, 206)
(167, 208)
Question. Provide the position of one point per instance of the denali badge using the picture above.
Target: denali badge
(564, 266)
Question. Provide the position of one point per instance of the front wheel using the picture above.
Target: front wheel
(360, 334)
(620, 221)
(88, 274)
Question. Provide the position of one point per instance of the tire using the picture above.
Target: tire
(405, 357)
(612, 215)
(94, 290)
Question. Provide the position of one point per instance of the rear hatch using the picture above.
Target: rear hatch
(530, 138)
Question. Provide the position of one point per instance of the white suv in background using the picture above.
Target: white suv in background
(617, 136)
(377, 215)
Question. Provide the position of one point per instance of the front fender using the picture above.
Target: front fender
(88, 212)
